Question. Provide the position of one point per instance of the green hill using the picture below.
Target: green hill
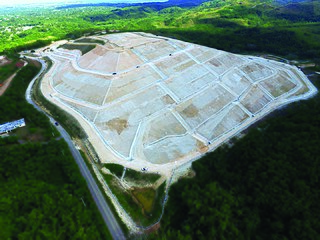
(237, 26)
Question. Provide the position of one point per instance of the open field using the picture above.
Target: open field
(84, 48)
(149, 101)
(89, 40)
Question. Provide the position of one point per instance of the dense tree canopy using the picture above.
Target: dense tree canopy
(265, 186)
(42, 193)
(237, 26)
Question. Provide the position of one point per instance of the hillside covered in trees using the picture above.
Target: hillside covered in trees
(264, 186)
(238, 26)
(41, 188)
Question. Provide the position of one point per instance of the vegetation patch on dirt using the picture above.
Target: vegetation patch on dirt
(190, 111)
(89, 40)
(82, 47)
(116, 169)
(144, 204)
(118, 124)
(146, 197)
(135, 176)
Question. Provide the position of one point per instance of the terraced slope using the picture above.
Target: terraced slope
(146, 100)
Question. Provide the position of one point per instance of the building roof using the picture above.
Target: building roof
(9, 126)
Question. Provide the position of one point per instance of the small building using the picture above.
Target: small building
(9, 126)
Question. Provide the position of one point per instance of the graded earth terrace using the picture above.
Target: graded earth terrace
(156, 102)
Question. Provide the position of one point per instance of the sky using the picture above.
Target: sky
(14, 2)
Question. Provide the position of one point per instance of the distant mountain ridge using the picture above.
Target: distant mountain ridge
(298, 10)
(156, 5)
(284, 2)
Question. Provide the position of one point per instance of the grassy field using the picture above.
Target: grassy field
(116, 169)
(34, 134)
(146, 197)
(136, 176)
(124, 198)
(144, 205)
(89, 40)
(82, 47)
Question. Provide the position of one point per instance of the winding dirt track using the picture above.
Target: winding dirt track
(6, 84)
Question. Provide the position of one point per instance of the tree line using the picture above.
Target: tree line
(264, 186)
(42, 193)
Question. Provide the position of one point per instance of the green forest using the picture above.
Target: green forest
(264, 186)
(255, 26)
(42, 193)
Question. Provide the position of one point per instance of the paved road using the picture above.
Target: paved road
(103, 207)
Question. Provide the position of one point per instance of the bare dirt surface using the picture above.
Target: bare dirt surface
(6, 84)
(118, 124)
(160, 103)
(4, 61)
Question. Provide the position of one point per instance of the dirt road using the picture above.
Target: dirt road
(6, 84)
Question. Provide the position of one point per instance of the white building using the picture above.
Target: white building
(7, 127)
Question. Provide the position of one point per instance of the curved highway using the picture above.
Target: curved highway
(108, 217)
